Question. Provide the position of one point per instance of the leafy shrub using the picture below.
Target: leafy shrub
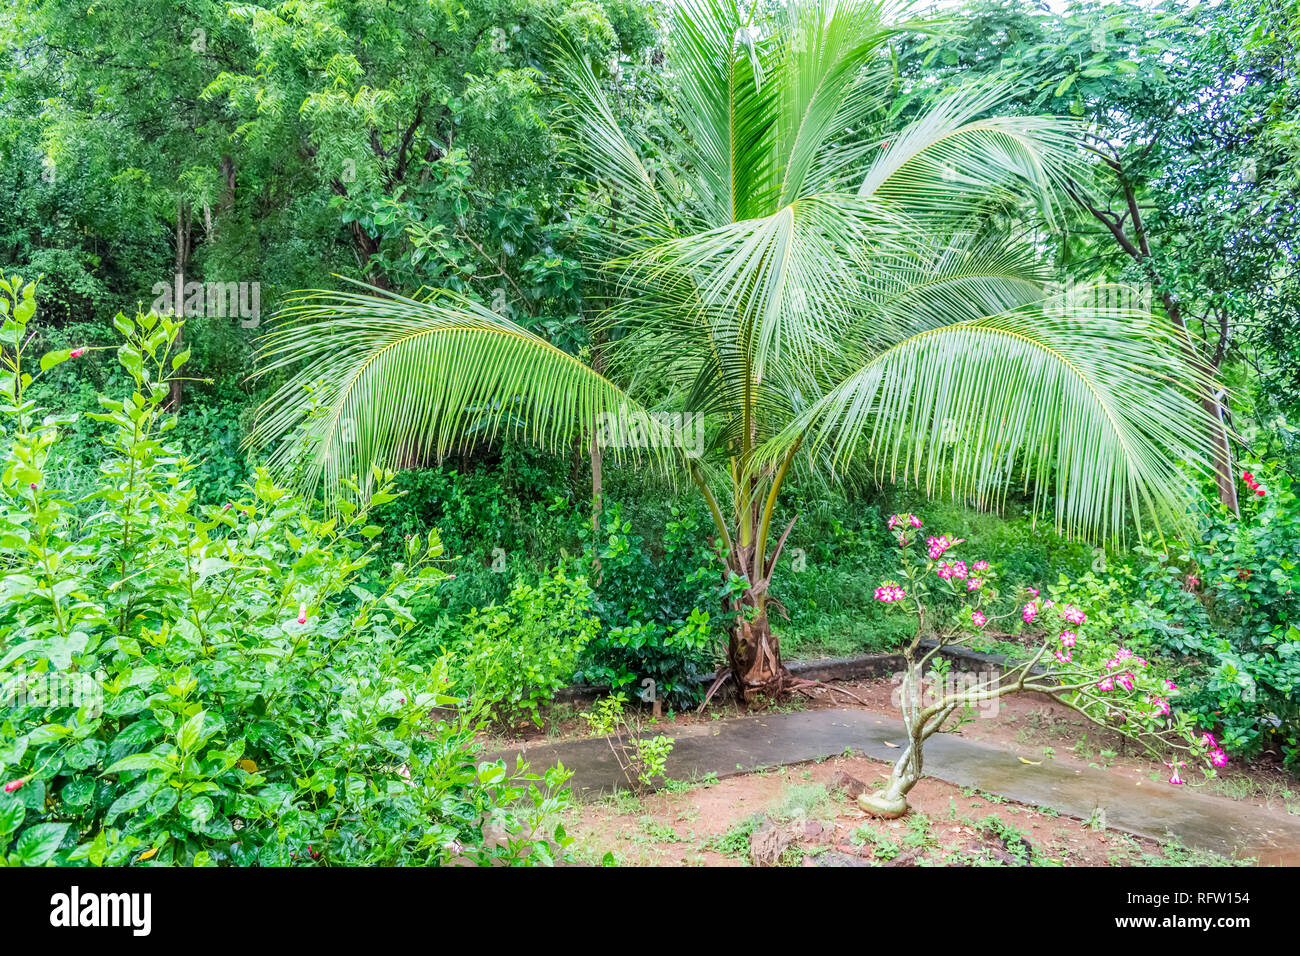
(1227, 605)
(655, 626)
(200, 685)
(513, 657)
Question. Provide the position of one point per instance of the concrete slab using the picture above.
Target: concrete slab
(745, 744)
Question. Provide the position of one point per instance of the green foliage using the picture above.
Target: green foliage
(513, 657)
(191, 684)
(1227, 606)
(653, 607)
(641, 758)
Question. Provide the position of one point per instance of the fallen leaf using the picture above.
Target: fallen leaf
(1032, 763)
(146, 855)
(888, 744)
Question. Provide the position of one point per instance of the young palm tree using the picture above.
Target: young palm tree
(819, 286)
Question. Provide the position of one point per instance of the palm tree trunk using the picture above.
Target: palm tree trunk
(754, 655)
(753, 651)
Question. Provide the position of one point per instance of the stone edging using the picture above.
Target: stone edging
(859, 667)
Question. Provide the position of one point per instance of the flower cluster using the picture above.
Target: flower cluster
(888, 593)
(937, 546)
(902, 521)
(906, 523)
(956, 570)
(1252, 484)
(1217, 756)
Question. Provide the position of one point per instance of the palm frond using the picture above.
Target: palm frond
(1096, 404)
(383, 379)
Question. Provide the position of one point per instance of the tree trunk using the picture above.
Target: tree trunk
(753, 651)
(1224, 479)
(182, 260)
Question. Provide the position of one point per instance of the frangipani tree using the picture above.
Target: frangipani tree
(815, 283)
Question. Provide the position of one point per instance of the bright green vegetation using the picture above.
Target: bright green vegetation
(1008, 274)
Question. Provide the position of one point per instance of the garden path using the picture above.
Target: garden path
(1130, 803)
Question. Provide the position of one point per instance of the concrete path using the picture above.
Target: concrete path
(744, 744)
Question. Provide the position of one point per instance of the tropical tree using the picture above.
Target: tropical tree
(817, 286)
(1187, 106)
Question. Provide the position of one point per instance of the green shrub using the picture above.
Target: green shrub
(654, 607)
(1227, 606)
(200, 685)
(514, 656)
(641, 758)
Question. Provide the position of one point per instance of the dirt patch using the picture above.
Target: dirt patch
(802, 815)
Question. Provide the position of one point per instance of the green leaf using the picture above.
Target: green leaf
(145, 761)
(39, 843)
(11, 814)
(51, 359)
(191, 732)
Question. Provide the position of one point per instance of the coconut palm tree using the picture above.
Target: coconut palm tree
(815, 281)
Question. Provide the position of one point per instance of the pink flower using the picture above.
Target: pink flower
(1125, 681)
(1030, 612)
(1209, 741)
(13, 785)
(888, 593)
(1170, 685)
(1260, 492)
(1174, 778)
(302, 613)
(1068, 638)
(979, 619)
(941, 544)
(1033, 592)
(77, 353)
(1123, 654)
(1161, 706)
(1073, 615)
(1106, 683)
(959, 570)
(1218, 757)
(981, 565)
(1063, 656)
(897, 521)
(974, 584)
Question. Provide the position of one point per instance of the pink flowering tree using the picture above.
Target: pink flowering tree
(955, 600)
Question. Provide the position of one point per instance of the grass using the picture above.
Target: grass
(808, 801)
(735, 842)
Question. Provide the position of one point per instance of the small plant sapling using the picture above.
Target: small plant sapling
(641, 758)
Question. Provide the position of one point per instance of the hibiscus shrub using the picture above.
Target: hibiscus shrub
(203, 685)
(1228, 605)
